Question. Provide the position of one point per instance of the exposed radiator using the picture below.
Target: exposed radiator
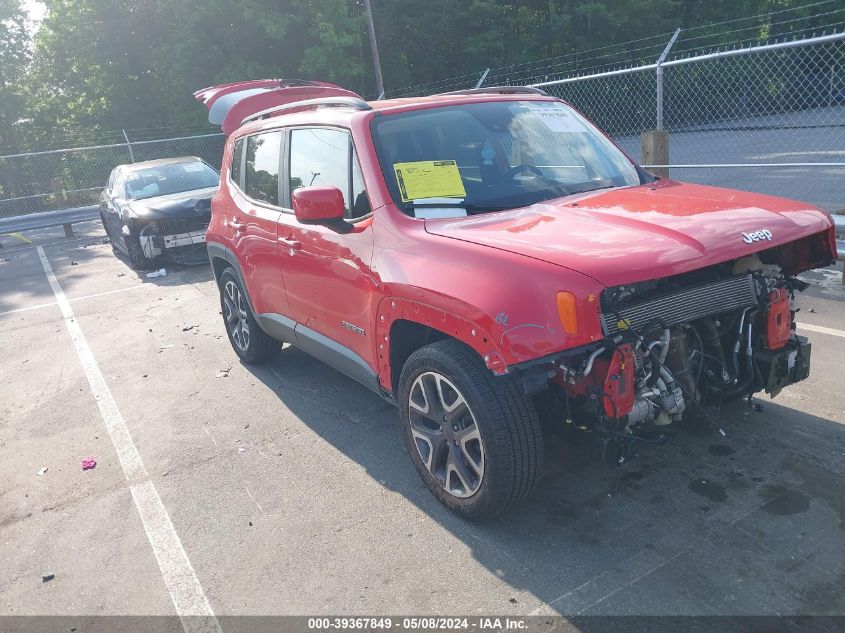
(687, 305)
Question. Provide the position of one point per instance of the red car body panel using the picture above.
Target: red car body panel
(490, 280)
(330, 281)
(637, 233)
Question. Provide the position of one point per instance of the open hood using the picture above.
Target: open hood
(229, 104)
(645, 232)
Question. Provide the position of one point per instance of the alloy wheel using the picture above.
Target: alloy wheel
(235, 314)
(446, 434)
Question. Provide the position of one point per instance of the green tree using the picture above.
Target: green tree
(14, 57)
(112, 64)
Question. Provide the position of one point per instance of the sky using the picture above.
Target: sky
(35, 9)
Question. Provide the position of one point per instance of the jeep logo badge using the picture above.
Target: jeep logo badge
(756, 236)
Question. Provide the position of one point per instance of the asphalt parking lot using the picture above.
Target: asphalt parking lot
(288, 489)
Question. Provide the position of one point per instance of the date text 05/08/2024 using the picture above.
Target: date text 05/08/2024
(416, 623)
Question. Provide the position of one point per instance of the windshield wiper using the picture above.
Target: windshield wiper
(571, 192)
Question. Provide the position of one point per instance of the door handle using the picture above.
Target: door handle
(291, 243)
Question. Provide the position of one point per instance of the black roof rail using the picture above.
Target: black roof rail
(323, 102)
(502, 90)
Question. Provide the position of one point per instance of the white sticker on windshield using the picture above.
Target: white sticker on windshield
(554, 117)
(191, 167)
(432, 212)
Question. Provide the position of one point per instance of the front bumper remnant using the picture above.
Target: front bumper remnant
(155, 245)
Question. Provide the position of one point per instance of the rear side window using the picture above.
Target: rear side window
(261, 177)
(237, 160)
(325, 157)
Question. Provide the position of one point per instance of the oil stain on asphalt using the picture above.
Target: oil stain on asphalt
(708, 489)
(720, 450)
(784, 501)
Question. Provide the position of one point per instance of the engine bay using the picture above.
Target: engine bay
(683, 343)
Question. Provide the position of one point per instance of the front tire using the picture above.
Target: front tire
(108, 233)
(134, 252)
(250, 342)
(474, 438)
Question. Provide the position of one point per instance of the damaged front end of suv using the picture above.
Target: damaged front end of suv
(688, 342)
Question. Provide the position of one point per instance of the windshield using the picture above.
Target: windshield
(168, 179)
(496, 155)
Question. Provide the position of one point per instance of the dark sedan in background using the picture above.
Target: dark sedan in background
(159, 209)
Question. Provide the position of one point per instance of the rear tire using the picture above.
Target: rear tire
(475, 438)
(252, 344)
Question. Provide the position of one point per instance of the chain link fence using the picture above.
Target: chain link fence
(766, 117)
(59, 179)
(769, 118)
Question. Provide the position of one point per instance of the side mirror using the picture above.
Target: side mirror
(318, 205)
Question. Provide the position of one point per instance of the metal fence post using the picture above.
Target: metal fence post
(483, 77)
(654, 144)
(659, 72)
(129, 145)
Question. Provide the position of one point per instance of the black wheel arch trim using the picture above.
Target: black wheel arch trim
(219, 251)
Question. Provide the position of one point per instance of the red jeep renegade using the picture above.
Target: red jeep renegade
(470, 256)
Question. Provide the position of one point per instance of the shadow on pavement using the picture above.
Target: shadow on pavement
(750, 523)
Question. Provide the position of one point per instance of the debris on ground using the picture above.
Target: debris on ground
(188, 328)
(241, 449)
(161, 272)
(223, 373)
(812, 310)
(74, 263)
(47, 577)
(121, 274)
(89, 463)
(42, 471)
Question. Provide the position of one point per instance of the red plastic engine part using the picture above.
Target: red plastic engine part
(779, 319)
(615, 375)
(619, 383)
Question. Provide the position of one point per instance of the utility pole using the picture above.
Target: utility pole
(374, 49)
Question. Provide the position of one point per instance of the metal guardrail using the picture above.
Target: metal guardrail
(65, 218)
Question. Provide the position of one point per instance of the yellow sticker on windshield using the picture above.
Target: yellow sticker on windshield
(429, 179)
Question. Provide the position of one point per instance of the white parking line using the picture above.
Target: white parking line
(92, 296)
(820, 329)
(28, 308)
(179, 576)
